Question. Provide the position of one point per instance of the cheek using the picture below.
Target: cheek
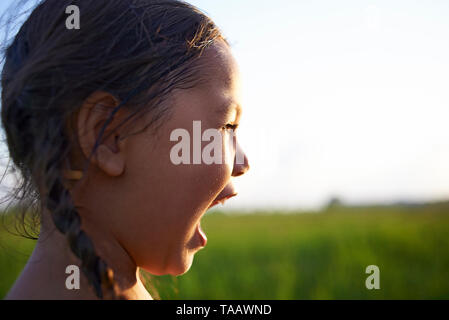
(164, 203)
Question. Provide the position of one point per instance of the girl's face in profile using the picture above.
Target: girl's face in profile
(154, 207)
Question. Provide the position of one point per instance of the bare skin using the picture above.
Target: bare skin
(139, 209)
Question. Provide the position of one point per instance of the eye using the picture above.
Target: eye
(230, 126)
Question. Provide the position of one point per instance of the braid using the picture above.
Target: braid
(52, 142)
(68, 222)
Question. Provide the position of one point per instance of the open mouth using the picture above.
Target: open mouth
(227, 193)
(199, 231)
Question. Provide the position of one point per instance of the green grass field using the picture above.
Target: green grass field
(303, 256)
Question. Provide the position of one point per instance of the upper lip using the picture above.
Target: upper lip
(222, 198)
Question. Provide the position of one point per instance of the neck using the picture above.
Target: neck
(44, 276)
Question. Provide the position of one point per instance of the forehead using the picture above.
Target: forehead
(220, 67)
(223, 79)
(218, 91)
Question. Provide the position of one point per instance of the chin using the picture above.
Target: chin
(176, 268)
(183, 266)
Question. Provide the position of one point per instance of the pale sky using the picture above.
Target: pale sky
(346, 98)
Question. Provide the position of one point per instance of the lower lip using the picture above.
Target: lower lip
(201, 234)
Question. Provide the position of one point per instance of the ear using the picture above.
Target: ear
(92, 116)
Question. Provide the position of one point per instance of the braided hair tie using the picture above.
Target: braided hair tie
(73, 175)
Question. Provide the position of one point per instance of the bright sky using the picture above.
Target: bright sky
(346, 98)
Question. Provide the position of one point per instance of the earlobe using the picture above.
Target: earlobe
(109, 161)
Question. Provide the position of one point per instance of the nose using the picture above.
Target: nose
(241, 164)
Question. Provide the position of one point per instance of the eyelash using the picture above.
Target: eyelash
(231, 126)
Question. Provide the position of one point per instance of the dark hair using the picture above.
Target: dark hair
(137, 50)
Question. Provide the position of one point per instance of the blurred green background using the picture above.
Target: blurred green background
(315, 255)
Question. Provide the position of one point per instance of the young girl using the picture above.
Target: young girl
(92, 116)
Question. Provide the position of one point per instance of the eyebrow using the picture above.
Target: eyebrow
(228, 106)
